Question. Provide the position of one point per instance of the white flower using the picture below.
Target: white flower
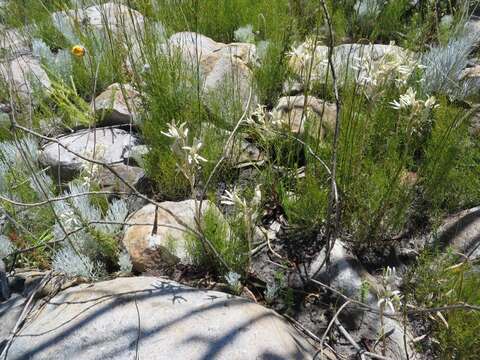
(228, 199)
(310, 43)
(431, 103)
(69, 219)
(259, 111)
(395, 105)
(233, 199)
(389, 297)
(387, 302)
(192, 152)
(390, 275)
(295, 52)
(407, 100)
(176, 132)
(257, 197)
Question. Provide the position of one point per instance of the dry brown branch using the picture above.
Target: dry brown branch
(322, 340)
(333, 212)
(356, 346)
(59, 198)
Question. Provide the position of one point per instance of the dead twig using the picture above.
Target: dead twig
(322, 340)
(59, 198)
(139, 330)
(333, 211)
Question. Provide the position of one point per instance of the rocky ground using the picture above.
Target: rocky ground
(164, 308)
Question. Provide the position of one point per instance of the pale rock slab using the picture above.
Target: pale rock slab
(107, 145)
(225, 70)
(12, 42)
(158, 319)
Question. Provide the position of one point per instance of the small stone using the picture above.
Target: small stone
(110, 182)
(167, 245)
(289, 113)
(117, 105)
(470, 72)
(135, 155)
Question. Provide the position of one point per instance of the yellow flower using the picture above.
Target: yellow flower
(78, 51)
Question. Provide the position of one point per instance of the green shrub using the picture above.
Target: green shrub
(24, 12)
(220, 19)
(451, 175)
(374, 152)
(306, 205)
(442, 280)
(271, 74)
(102, 66)
(232, 249)
(170, 95)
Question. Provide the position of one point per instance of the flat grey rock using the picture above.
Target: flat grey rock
(158, 319)
(10, 311)
(319, 116)
(107, 145)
